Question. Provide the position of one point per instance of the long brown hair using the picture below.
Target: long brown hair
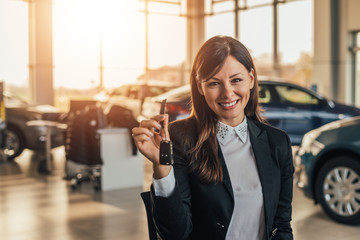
(208, 62)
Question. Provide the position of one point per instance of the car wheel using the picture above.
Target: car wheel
(14, 144)
(338, 189)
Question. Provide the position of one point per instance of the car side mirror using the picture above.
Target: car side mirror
(327, 102)
(331, 103)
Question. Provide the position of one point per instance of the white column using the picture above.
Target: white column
(322, 46)
(195, 32)
(40, 51)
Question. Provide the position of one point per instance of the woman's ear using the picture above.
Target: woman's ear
(199, 87)
(252, 78)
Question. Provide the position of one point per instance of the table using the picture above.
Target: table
(121, 169)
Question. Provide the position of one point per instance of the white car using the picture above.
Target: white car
(131, 96)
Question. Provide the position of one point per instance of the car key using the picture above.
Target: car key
(166, 152)
(162, 110)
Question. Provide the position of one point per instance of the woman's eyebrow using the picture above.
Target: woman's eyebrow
(234, 75)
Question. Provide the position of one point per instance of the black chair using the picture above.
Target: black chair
(151, 226)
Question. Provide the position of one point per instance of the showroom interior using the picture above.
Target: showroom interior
(43, 195)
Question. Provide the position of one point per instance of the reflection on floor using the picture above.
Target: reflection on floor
(34, 206)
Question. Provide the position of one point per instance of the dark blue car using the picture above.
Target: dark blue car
(328, 169)
(298, 110)
(287, 106)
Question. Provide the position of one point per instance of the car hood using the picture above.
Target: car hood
(341, 108)
(341, 132)
(337, 133)
(44, 112)
(354, 121)
(42, 109)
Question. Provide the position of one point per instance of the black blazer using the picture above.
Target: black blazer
(203, 211)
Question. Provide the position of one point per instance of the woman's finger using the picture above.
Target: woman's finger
(152, 124)
(159, 118)
(142, 131)
(141, 134)
(141, 138)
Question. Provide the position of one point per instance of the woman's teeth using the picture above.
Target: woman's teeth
(228, 104)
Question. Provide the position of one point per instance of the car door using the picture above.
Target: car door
(300, 111)
(272, 109)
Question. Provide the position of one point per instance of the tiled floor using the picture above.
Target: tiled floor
(34, 207)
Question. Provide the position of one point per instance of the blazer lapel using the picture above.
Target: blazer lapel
(265, 165)
(226, 177)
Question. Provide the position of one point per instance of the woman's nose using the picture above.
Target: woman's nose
(227, 90)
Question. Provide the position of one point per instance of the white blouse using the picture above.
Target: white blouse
(248, 221)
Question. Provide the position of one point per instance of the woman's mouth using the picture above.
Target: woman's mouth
(229, 105)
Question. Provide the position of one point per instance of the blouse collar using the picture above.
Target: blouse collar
(225, 131)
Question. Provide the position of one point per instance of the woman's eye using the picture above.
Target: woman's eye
(212, 84)
(236, 80)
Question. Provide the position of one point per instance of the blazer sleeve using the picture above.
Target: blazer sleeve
(281, 227)
(172, 215)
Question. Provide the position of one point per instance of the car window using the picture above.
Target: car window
(179, 96)
(11, 100)
(289, 94)
(156, 90)
(133, 91)
(120, 91)
(176, 91)
(264, 94)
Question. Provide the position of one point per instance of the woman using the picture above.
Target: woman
(232, 175)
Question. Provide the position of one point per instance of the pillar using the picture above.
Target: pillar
(41, 52)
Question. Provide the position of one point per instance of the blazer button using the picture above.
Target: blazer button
(220, 225)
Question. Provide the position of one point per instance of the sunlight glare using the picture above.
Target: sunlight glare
(98, 15)
(81, 27)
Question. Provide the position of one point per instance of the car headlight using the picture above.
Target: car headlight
(297, 160)
(316, 147)
(309, 143)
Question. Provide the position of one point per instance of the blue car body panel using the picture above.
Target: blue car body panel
(299, 116)
(334, 139)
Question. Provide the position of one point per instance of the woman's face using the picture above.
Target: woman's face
(228, 92)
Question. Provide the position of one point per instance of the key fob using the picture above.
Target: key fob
(166, 153)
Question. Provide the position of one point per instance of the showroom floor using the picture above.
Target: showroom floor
(34, 207)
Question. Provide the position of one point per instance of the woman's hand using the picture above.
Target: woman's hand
(147, 138)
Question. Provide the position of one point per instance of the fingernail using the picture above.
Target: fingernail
(159, 126)
(162, 116)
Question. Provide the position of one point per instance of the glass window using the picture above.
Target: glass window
(258, 36)
(14, 44)
(11, 100)
(292, 95)
(264, 94)
(295, 38)
(254, 3)
(214, 28)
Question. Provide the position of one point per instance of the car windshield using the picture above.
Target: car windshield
(264, 94)
(12, 100)
(176, 93)
(289, 94)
